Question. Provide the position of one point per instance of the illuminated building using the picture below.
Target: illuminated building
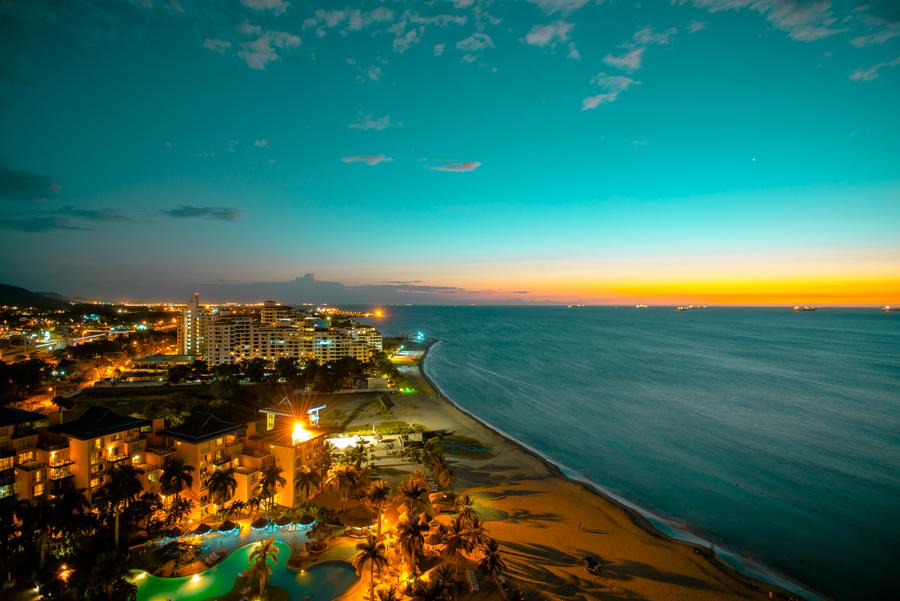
(190, 334)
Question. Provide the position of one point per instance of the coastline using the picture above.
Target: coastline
(754, 587)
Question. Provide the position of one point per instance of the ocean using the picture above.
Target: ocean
(770, 434)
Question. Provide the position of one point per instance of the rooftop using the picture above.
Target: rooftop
(98, 421)
(10, 416)
(202, 426)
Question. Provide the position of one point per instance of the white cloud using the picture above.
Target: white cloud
(369, 159)
(260, 52)
(469, 58)
(457, 167)
(216, 45)
(871, 73)
(475, 42)
(168, 145)
(559, 6)
(879, 37)
(248, 29)
(630, 61)
(404, 40)
(592, 102)
(373, 73)
(613, 86)
(802, 21)
(695, 26)
(276, 6)
(261, 143)
(615, 83)
(648, 36)
(549, 35)
(439, 49)
(367, 122)
(573, 52)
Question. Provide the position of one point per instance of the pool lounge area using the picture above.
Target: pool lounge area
(322, 581)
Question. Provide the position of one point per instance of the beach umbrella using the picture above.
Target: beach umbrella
(259, 523)
(306, 520)
(283, 521)
(202, 529)
(227, 526)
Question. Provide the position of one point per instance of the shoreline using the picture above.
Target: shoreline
(778, 585)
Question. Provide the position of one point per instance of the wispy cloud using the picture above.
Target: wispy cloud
(559, 6)
(369, 159)
(19, 184)
(262, 143)
(630, 61)
(879, 37)
(93, 214)
(38, 223)
(475, 42)
(648, 36)
(276, 6)
(367, 122)
(612, 85)
(216, 45)
(550, 35)
(457, 167)
(212, 213)
(695, 26)
(439, 49)
(802, 21)
(871, 73)
(258, 53)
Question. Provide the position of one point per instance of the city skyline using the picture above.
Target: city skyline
(707, 151)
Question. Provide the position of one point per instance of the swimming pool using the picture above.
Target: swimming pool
(322, 581)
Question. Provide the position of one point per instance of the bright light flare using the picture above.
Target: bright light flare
(379, 313)
(300, 434)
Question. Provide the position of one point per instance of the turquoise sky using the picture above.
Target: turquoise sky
(553, 149)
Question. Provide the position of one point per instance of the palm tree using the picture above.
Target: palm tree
(444, 579)
(411, 539)
(491, 561)
(413, 454)
(387, 593)
(356, 454)
(222, 485)
(377, 496)
(432, 590)
(175, 477)
(344, 477)
(307, 480)
(259, 562)
(269, 481)
(372, 552)
(123, 487)
(414, 492)
(457, 539)
(465, 507)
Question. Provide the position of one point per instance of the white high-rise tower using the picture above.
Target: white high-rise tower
(190, 335)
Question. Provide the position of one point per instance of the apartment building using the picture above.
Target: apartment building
(21, 471)
(207, 443)
(190, 332)
(88, 447)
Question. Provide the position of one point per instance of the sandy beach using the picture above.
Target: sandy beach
(546, 523)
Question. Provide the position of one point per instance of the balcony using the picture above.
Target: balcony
(31, 466)
(59, 473)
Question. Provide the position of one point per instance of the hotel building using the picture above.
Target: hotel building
(36, 458)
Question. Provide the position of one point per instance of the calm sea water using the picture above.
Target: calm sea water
(772, 434)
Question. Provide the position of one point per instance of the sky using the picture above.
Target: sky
(467, 151)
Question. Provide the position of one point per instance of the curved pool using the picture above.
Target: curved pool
(325, 580)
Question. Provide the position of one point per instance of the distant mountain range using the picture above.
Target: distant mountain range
(14, 295)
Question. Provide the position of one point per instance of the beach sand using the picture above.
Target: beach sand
(546, 523)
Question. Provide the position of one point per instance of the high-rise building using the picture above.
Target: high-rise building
(190, 334)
